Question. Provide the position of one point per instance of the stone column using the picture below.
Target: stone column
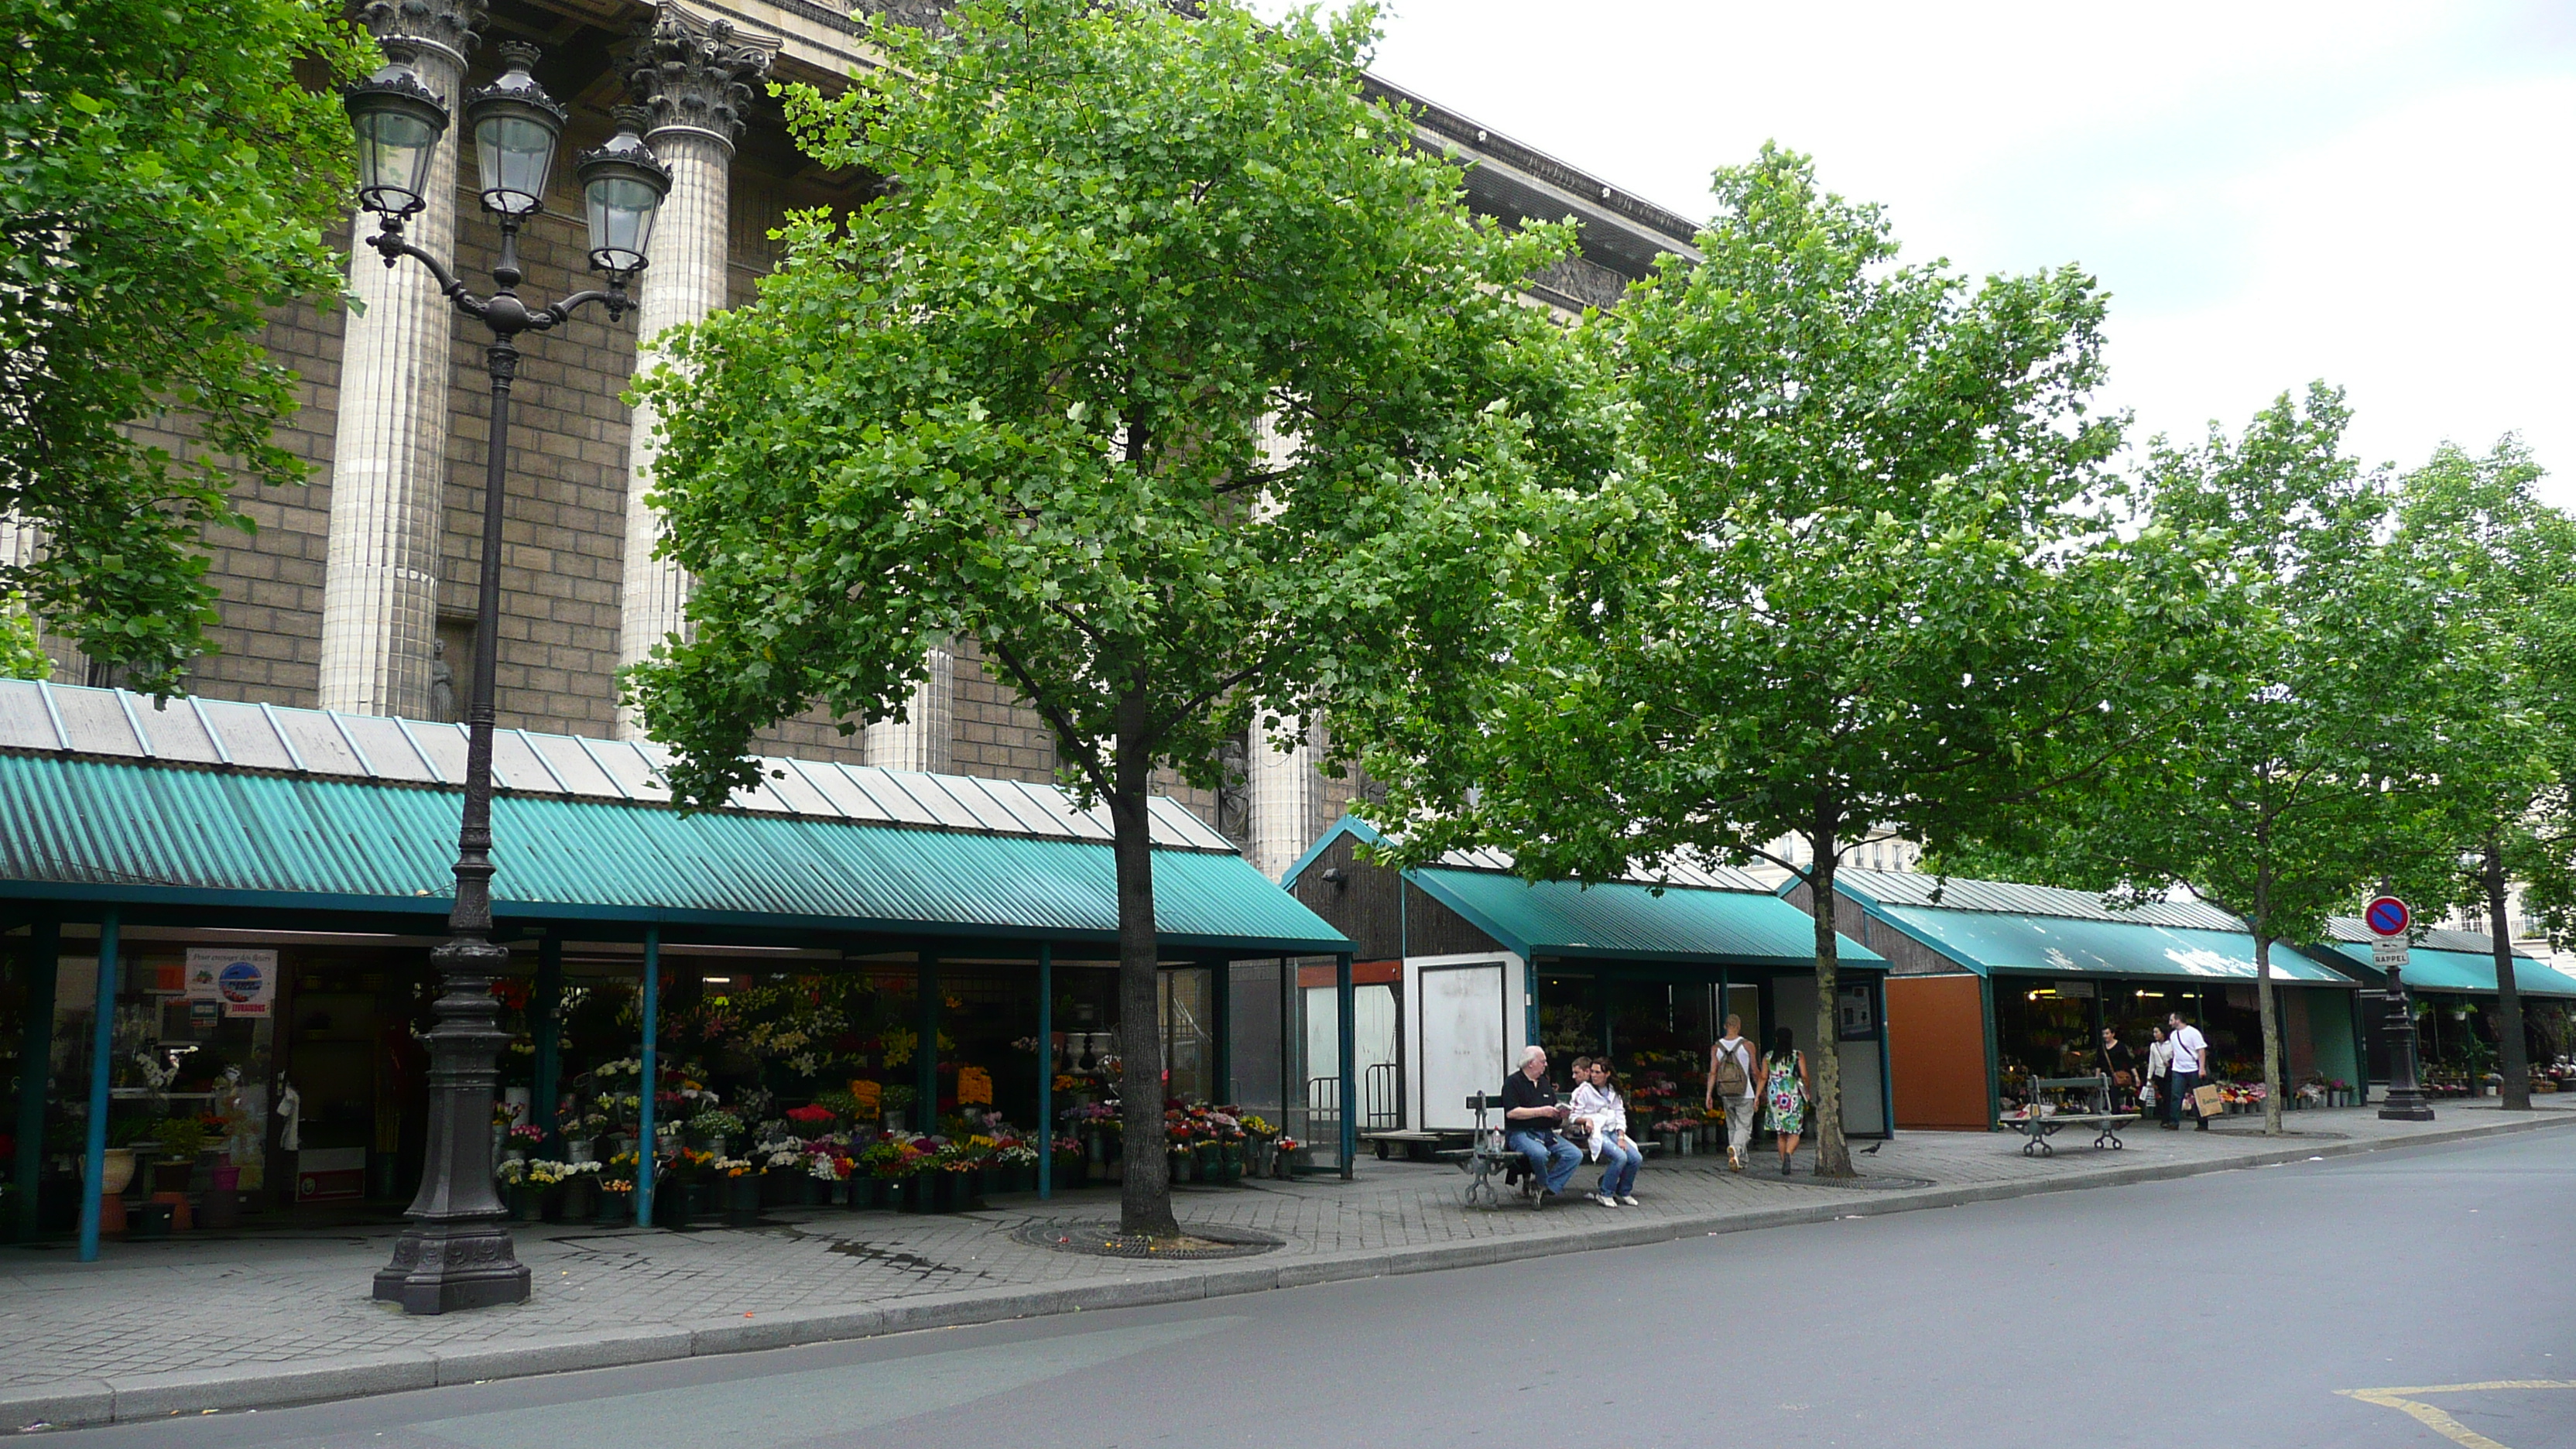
(693, 76)
(389, 455)
(920, 741)
(1285, 787)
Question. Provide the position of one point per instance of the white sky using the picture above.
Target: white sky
(2373, 194)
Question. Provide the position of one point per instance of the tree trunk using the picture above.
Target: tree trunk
(2271, 1036)
(1824, 1060)
(2514, 1094)
(1145, 1197)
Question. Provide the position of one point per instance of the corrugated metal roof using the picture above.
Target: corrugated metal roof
(319, 744)
(1677, 873)
(1907, 888)
(2472, 971)
(1682, 923)
(1991, 941)
(138, 831)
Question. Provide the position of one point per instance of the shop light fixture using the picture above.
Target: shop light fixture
(2158, 995)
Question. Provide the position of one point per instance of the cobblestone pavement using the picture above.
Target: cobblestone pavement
(208, 1301)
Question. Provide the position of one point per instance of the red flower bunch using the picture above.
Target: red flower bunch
(811, 1116)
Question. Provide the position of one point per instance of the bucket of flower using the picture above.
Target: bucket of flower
(1072, 1168)
(1286, 1156)
(510, 1175)
(614, 1204)
(738, 1181)
(957, 1175)
(907, 1173)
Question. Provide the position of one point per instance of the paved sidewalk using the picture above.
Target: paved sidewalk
(260, 1319)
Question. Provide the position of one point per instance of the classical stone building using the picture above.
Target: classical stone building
(356, 593)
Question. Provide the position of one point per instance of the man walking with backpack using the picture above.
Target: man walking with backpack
(2190, 1053)
(1730, 1075)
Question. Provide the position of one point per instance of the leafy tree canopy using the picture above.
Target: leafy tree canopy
(164, 180)
(1166, 369)
(1856, 579)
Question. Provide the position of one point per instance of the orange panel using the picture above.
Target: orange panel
(1936, 1052)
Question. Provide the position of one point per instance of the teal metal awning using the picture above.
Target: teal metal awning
(1988, 942)
(2469, 972)
(141, 832)
(1634, 922)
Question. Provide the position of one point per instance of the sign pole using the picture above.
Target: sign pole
(2388, 920)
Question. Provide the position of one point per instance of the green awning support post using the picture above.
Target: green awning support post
(925, 1057)
(102, 1041)
(646, 1167)
(1221, 1007)
(1601, 1006)
(545, 1012)
(1994, 1053)
(1348, 1005)
(35, 1058)
(1046, 1071)
(1886, 1077)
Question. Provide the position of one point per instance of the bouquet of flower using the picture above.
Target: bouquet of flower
(509, 1171)
(715, 1122)
(1259, 1126)
(731, 1167)
(527, 1135)
(813, 1118)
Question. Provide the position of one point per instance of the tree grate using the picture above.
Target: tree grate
(1197, 1243)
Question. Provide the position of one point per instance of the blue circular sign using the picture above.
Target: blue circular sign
(239, 982)
(2387, 916)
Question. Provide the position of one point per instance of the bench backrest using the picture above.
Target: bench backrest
(2096, 1085)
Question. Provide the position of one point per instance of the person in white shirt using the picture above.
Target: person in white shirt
(2190, 1062)
(2160, 1075)
(1597, 1103)
(1731, 1073)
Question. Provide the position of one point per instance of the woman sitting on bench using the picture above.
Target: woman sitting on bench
(1597, 1103)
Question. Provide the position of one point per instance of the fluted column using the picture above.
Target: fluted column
(694, 77)
(920, 740)
(389, 455)
(1285, 787)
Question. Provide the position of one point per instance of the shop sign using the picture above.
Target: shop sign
(1856, 1020)
(244, 981)
(200, 973)
(2079, 990)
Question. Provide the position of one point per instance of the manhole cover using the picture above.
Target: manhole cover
(1103, 1240)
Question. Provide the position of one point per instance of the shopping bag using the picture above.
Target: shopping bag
(2206, 1102)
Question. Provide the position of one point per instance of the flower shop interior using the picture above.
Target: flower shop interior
(1464, 963)
(2451, 983)
(867, 986)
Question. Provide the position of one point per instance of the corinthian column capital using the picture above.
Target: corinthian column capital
(695, 74)
(439, 25)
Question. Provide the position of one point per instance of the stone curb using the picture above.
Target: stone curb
(75, 1403)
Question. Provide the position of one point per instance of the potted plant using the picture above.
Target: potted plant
(713, 1129)
(182, 1138)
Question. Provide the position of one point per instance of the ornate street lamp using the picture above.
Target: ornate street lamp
(456, 1252)
(2405, 1098)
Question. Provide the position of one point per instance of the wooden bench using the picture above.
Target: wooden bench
(2040, 1119)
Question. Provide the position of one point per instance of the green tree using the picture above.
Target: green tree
(2495, 570)
(2293, 778)
(1849, 588)
(164, 180)
(1164, 369)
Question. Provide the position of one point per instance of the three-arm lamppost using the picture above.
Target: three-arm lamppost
(457, 1252)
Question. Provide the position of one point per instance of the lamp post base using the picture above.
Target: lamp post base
(2406, 1106)
(441, 1268)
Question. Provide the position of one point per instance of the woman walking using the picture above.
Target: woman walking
(1784, 1076)
(1597, 1101)
(2160, 1073)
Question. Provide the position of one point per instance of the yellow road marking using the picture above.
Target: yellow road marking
(2439, 1422)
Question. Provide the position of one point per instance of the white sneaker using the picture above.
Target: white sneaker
(1606, 1200)
(1629, 1201)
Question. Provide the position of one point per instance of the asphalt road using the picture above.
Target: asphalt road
(2206, 1313)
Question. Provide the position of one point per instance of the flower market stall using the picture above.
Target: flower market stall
(850, 975)
(1473, 963)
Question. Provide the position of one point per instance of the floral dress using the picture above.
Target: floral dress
(1787, 1096)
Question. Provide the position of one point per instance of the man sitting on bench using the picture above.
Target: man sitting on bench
(1530, 1120)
